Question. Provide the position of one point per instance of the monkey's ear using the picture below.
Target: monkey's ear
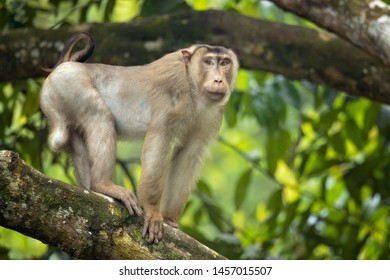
(186, 56)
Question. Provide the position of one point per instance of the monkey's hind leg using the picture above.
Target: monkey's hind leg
(59, 132)
(100, 137)
(79, 154)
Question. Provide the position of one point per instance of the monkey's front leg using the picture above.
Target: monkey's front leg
(184, 172)
(154, 177)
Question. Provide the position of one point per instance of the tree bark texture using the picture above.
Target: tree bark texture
(365, 23)
(80, 222)
(295, 52)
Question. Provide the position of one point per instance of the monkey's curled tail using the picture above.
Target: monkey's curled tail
(79, 56)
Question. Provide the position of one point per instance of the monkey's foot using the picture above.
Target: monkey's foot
(170, 222)
(152, 225)
(131, 202)
(127, 197)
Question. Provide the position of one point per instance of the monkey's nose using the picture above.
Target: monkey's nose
(218, 81)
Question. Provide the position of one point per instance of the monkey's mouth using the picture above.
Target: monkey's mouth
(216, 95)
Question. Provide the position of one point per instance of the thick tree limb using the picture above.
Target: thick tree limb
(297, 53)
(85, 225)
(365, 23)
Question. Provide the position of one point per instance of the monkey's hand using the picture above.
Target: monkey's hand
(153, 224)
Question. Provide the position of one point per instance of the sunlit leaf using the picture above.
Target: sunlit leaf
(284, 174)
(290, 194)
(239, 219)
(308, 131)
(242, 188)
(242, 82)
(249, 8)
(261, 213)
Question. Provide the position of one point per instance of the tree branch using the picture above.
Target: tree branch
(295, 52)
(79, 222)
(365, 23)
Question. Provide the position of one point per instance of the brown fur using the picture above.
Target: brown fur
(175, 104)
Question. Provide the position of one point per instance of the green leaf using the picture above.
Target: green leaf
(233, 108)
(197, 216)
(275, 201)
(291, 212)
(360, 173)
(327, 119)
(338, 143)
(212, 209)
(109, 9)
(318, 165)
(277, 145)
(204, 188)
(242, 188)
(249, 8)
(153, 7)
(354, 134)
(290, 94)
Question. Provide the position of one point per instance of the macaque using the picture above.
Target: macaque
(175, 104)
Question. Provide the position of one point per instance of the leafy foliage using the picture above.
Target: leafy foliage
(300, 171)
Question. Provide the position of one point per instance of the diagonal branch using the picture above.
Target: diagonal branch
(79, 222)
(365, 23)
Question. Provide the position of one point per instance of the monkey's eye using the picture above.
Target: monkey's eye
(209, 61)
(224, 62)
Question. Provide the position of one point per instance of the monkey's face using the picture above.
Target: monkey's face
(214, 70)
(216, 78)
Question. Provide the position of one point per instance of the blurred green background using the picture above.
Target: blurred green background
(300, 171)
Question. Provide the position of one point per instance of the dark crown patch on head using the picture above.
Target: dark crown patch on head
(213, 49)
